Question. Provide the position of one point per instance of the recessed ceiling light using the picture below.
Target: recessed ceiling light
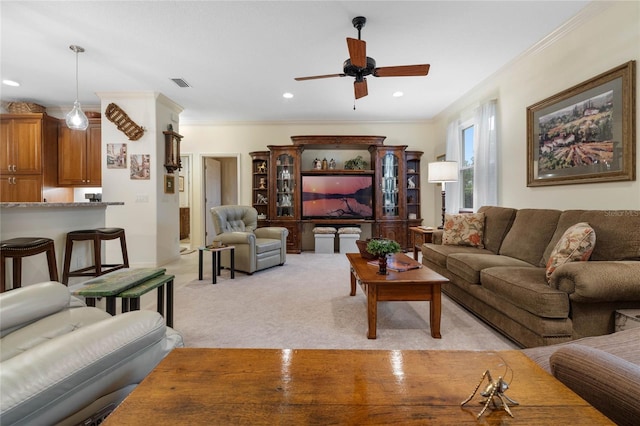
(287, 95)
(398, 94)
(10, 83)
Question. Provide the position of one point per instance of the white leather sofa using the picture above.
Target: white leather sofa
(62, 362)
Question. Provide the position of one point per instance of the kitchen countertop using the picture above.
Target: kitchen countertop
(70, 205)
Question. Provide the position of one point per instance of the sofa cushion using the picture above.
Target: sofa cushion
(469, 265)
(618, 233)
(463, 229)
(264, 245)
(497, 222)
(349, 230)
(526, 288)
(576, 244)
(530, 234)
(324, 230)
(623, 344)
(609, 383)
(567, 219)
(436, 253)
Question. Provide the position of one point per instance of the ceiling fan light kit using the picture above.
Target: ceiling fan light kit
(359, 65)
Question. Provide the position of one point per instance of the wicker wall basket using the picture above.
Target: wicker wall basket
(24, 107)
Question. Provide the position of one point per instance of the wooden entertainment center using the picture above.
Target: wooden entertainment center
(277, 185)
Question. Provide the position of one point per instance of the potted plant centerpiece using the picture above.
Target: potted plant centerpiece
(381, 248)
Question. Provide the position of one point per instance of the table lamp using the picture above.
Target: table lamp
(441, 172)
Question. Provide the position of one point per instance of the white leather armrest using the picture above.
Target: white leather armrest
(45, 329)
(27, 304)
(54, 370)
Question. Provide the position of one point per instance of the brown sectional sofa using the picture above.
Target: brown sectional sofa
(604, 370)
(504, 283)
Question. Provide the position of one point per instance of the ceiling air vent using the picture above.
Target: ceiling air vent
(180, 82)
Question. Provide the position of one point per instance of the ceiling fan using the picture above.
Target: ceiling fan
(359, 65)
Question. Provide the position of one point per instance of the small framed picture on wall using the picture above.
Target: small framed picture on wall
(169, 184)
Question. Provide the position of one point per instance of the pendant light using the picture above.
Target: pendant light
(76, 119)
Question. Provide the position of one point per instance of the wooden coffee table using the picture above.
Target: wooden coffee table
(413, 285)
(194, 386)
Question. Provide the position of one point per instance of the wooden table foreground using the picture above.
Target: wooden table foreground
(321, 387)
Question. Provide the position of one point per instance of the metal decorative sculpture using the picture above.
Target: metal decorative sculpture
(494, 389)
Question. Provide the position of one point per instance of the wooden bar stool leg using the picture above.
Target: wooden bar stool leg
(3, 278)
(68, 252)
(53, 267)
(123, 246)
(97, 254)
(17, 272)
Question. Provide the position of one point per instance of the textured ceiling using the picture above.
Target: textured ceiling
(240, 57)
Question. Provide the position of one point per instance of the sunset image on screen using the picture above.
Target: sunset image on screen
(337, 196)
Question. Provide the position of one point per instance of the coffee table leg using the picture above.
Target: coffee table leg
(214, 267)
(233, 263)
(353, 283)
(200, 264)
(435, 307)
(169, 317)
(219, 258)
(125, 305)
(372, 310)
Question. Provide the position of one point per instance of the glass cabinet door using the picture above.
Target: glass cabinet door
(390, 199)
(285, 186)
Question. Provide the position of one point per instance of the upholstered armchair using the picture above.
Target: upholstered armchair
(255, 248)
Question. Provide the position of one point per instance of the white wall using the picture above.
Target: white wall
(240, 139)
(149, 216)
(607, 34)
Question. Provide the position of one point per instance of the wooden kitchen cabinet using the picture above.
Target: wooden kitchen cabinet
(79, 153)
(21, 188)
(28, 156)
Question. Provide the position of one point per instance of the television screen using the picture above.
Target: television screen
(337, 196)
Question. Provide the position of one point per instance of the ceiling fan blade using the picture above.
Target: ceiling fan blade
(402, 71)
(357, 52)
(360, 88)
(315, 77)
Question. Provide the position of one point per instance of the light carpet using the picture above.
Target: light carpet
(305, 304)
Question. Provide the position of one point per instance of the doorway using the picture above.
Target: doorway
(220, 187)
(186, 201)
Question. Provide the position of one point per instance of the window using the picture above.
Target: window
(466, 167)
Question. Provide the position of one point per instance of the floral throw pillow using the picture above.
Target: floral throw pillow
(575, 245)
(463, 229)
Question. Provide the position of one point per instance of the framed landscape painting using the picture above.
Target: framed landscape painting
(586, 133)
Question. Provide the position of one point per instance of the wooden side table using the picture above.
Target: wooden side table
(419, 236)
(215, 260)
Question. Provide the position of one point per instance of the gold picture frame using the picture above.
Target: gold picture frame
(169, 184)
(584, 134)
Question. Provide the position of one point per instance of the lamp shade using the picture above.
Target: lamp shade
(443, 171)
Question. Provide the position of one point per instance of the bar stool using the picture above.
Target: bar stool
(98, 268)
(17, 248)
